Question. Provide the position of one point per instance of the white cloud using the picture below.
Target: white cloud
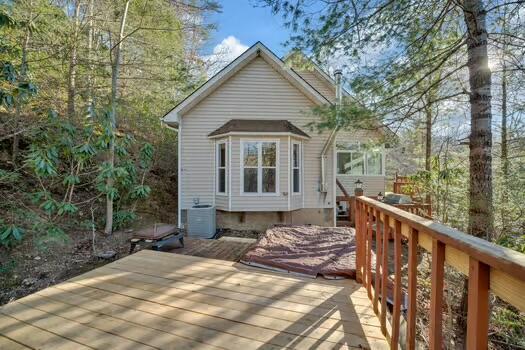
(223, 53)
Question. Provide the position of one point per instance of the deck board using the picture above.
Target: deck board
(153, 300)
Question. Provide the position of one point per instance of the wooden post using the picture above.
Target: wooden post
(478, 305)
(384, 273)
(436, 295)
(380, 229)
(358, 240)
(396, 315)
(369, 236)
(412, 289)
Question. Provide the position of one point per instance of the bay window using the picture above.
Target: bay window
(296, 167)
(259, 161)
(356, 159)
(221, 159)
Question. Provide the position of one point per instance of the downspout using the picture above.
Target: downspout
(323, 187)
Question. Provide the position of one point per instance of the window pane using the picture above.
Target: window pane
(374, 163)
(222, 180)
(268, 184)
(347, 146)
(295, 155)
(250, 154)
(222, 155)
(250, 180)
(269, 152)
(357, 166)
(343, 163)
(296, 181)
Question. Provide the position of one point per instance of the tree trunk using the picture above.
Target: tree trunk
(504, 151)
(23, 75)
(481, 213)
(428, 138)
(113, 115)
(90, 77)
(72, 76)
(481, 216)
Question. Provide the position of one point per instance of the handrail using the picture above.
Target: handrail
(488, 266)
(421, 209)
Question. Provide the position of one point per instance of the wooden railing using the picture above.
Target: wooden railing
(399, 183)
(489, 267)
(421, 209)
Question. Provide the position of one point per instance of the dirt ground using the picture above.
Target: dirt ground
(27, 268)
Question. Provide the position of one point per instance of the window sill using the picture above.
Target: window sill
(349, 175)
(243, 194)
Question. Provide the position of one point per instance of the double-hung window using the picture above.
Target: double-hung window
(355, 159)
(222, 172)
(259, 173)
(296, 167)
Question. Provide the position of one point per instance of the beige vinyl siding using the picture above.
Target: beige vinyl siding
(255, 92)
(319, 83)
(221, 201)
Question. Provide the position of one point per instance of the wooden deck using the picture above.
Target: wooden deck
(153, 300)
(225, 248)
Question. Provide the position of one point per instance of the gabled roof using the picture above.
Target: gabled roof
(317, 70)
(257, 50)
(258, 126)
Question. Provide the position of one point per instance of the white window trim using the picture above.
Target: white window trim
(299, 166)
(259, 192)
(365, 160)
(226, 167)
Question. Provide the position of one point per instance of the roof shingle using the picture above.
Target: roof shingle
(254, 125)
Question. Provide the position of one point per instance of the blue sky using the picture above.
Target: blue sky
(248, 22)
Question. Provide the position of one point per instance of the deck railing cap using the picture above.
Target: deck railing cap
(499, 257)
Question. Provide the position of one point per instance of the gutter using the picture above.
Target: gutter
(323, 186)
(175, 126)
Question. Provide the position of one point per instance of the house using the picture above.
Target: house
(245, 147)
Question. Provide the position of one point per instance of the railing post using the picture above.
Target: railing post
(358, 242)
(412, 289)
(369, 235)
(384, 273)
(478, 305)
(380, 230)
(436, 295)
(396, 315)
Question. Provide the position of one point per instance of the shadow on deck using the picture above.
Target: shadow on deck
(153, 300)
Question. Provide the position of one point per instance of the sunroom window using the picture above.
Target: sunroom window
(259, 171)
(355, 159)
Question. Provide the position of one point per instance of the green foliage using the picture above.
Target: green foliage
(8, 267)
(140, 192)
(510, 324)
(43, 160)
(513, 241)
(123, 218)
(51, 235)
(10, 234)
(9, 177)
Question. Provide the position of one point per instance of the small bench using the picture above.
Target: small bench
(159, 235)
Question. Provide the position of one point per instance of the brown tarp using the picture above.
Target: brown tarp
(306, 250)
(311, 251)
